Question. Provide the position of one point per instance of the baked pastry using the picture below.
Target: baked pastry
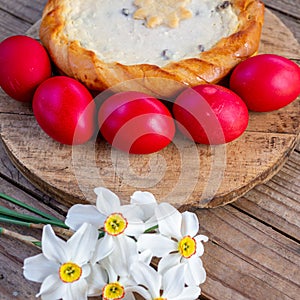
(151, 46)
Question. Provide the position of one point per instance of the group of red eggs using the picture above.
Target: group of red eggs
(136, 122)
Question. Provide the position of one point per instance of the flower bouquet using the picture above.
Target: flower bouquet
(113, 251)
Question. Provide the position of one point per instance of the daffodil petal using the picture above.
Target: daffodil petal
(146, 201)
(135, 227)
(202, 238)
(128, 281)
(38, 267)
(107, 201)
(173, 281)
(86, 270)
(82, 244)
(158, 244)
(141, 291)
(151, 222)
(125, 252)
(139, 197)
(76, 291)
(189, 293)
(145, 256)
(53, 247)
(131, 212)
(96, 280)
(104, 247)
(169, 220)
(168, 262)
(200, 247)
(190, 224)
(129, 295)
(146, 276)
(79, 214)
(195, 273)
(52, 288)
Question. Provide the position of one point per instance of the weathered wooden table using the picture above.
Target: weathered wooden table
(254, 247)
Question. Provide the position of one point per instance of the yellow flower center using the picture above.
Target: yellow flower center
(160, 298)
(113, 291)
(69, 272)
(187, 247)
(115, 224)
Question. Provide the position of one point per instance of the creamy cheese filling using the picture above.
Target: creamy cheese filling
(107, 27)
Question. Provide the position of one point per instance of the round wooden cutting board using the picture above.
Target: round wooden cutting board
(184, 174)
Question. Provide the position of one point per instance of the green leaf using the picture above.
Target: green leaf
(153, 228)
(28, 207)
(38, 244)
(28, 218)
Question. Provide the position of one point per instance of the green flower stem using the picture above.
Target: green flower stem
(6, 219)
(63, 232)
(23, 238)
(28, 218)
(28, 207)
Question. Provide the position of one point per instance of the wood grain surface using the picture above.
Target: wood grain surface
(254, 247)
(184, 173)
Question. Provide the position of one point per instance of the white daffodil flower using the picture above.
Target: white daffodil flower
(108, 214)
(177, 243)
(119, 223)
(147, 202)
(63, 266)
(111, 265)
(117, 267)
(116, 286)
(157, 286)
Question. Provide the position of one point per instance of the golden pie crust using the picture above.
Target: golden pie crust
(210, 66)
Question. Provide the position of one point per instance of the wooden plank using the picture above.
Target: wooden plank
(16, 17)
(13, 284)
(9, 25)
(292, 23)
(277, 202)
(291, 8)
(22, 9)
(246, 259)
(272, 207)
